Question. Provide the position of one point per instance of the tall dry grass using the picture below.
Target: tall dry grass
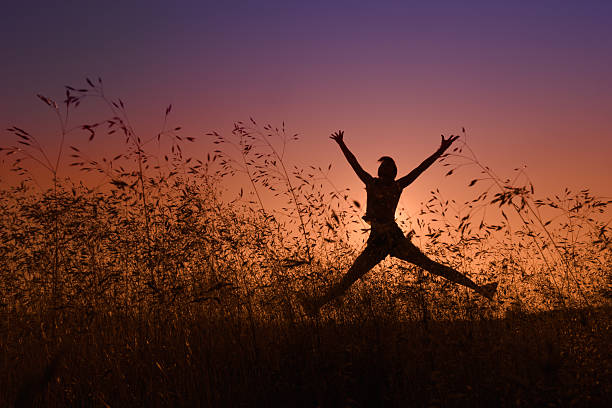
(157, 288)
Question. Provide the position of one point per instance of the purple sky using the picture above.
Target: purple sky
(532, 83)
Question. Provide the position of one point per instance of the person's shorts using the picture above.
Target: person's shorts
(387, 235)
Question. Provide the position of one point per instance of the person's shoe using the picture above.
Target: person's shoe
(489, 290)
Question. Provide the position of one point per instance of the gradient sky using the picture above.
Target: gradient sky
(531, 82)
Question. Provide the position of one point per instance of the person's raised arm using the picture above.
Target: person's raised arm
(410, 177)
(350, 157)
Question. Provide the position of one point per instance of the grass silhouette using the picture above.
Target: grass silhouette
(156, 289)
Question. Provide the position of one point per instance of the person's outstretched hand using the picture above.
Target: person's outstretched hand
(445, 143)
(338, 136)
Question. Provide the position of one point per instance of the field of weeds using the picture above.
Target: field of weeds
(160, 287)
(371, 358)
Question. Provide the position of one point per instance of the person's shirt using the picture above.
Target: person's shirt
(382, 200)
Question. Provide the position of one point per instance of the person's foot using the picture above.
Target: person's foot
(310, 305)
(489, 290)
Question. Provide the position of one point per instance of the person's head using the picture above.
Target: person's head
(387, 169)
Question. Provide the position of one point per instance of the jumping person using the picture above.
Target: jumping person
(386, 237)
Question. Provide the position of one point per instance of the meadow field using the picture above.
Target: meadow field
(161, 286)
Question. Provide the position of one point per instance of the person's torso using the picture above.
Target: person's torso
(382, 200)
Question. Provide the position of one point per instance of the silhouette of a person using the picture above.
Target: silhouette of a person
(386, 237)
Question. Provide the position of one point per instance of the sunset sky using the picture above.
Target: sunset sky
(531, 83)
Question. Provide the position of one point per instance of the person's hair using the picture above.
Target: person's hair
(387, 168)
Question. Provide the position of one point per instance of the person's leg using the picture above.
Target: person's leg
(368, 259)
(407, 251)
